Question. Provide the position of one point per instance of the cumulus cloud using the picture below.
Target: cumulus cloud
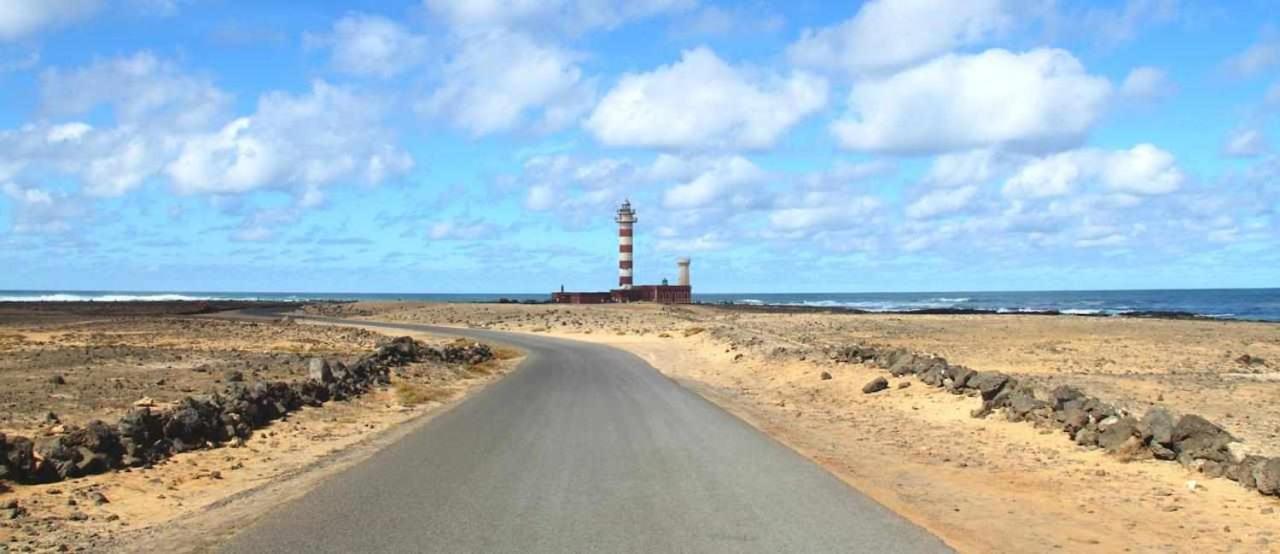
(295, 142)
(822, 210)
(703, 102)
(1258, 57)
(576, 188)
(1143, 170)
(710, 20)
(1147, 83)
(498, 80)
(23, 18)
(372, 45)
(965, 168)
(1245, 143)
(705, 242)
(1039, 100)
(141, 89)
(36, 211)
(565, 15)
(719, 182)
(890, 34)
(941, 201)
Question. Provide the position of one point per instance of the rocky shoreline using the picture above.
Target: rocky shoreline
(146, 435)
(1160, 433)
(790, 309)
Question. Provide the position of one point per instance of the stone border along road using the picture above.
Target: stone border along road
(1191, 440)
(582, 448)
(144, 436)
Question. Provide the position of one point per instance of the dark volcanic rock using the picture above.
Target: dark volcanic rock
(1087, 436)
(1113, 436)
(988, 383)
(1064, 394)
(876, 385)
(1157, 426)
(825, 376)
(957, 376)
(1266, 476)
(1022, 402)
(1245, 472)
(1196, 438)
(903, 364)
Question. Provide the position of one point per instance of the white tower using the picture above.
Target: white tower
(626, 220)
(683, 263)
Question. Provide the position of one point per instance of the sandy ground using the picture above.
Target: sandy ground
(983, 485)
(191, 501)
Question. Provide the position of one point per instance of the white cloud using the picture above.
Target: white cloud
(1258, 57)
(823, 210)
(566, 15)
(719, 182)
(1115, 23)
(1143, 169)
(142, 90)
(36, 211)
(73, 131)
(461, 230)
(1055, 175)
(843, 174)
(372, 45)
(499, 80)
(941, 201)
(1147, 83)
(1038, 100)
(890, 34)
(702, 243)
(703, 102)
(710, 20)
(23, 18)
(294, 142)
(1272, 98)
(574, 186)
(966, 168)
(1245, 143)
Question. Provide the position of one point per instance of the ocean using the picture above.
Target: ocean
(1251, 304)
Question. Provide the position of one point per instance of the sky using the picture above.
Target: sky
(483, 146)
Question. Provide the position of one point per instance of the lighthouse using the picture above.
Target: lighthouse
(626, 221)
(627, 291)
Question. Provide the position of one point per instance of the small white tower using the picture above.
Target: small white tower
(683, 263)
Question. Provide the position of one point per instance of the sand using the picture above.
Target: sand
(984, 485)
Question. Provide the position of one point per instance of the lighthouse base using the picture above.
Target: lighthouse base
(660, 294)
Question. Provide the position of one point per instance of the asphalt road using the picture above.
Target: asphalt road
(584, 448)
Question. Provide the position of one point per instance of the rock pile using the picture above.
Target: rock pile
(143, 436)
(1189, 439)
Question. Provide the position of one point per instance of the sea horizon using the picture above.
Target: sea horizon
(1262, 304)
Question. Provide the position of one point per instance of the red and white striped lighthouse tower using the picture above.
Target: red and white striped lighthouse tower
(626, 219)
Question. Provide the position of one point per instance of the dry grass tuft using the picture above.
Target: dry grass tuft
(413, 394)
(504, 353)
(691, 331)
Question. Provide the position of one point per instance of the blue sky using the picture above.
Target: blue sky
(481, 146)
